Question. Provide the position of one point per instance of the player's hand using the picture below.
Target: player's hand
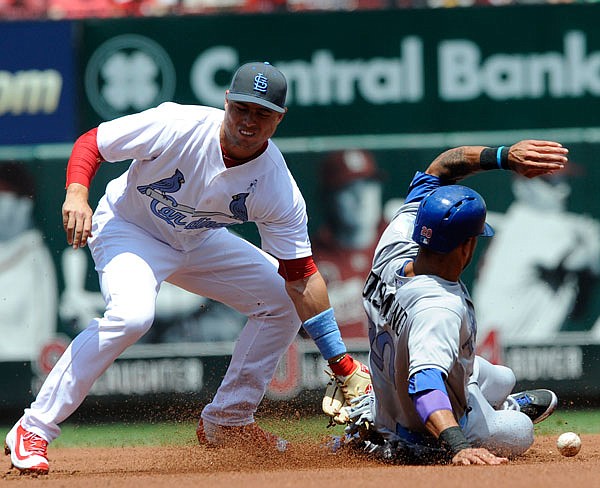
(77, 215)
(477, 456)
(532, 158)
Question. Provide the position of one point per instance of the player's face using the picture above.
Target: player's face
(247, 126)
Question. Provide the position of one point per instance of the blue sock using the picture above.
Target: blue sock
(323, 329)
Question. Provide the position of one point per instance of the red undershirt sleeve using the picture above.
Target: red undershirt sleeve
(85, 159)
(296, 269)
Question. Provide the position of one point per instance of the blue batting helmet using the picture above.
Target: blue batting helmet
(448, 216)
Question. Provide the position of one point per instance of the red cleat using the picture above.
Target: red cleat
(28, 451)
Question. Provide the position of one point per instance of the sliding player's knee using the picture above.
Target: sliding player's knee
(510, 433)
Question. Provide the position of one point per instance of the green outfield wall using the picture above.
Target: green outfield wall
(384, 72)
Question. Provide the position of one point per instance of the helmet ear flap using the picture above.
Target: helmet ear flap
(448, 216)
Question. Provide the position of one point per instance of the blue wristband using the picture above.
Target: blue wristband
(324, 330)
(499, 157)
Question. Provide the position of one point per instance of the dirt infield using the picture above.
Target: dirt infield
(305, 465)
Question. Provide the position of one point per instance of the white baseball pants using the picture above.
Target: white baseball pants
(131, 264)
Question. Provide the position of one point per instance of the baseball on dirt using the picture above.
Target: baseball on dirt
(568, 444)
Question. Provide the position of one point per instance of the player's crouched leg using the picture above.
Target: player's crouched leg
(495, 381)
(506, 433)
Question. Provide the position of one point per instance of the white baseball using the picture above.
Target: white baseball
(568, 444)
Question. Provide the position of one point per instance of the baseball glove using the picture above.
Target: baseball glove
(334, 401)
(341, 391)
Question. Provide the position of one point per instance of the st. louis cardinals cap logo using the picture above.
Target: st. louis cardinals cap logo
(261, 83)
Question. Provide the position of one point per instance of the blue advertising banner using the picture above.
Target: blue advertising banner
(37, 85)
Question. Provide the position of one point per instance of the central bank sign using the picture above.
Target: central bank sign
(130, 73)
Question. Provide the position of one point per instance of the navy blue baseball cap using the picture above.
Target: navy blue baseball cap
(260, 83)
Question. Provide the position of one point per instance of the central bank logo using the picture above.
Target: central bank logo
(127, 74)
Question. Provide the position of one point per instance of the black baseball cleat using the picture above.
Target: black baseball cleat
(538, 405)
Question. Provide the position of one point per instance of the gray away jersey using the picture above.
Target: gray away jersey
(415, 323)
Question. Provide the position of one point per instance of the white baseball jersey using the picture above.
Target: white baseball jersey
(178, 188)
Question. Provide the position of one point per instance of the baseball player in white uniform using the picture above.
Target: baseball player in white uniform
(433, 399)
(195, 172)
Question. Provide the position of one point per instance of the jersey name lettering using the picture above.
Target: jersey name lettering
(376, 292)
(397, 318)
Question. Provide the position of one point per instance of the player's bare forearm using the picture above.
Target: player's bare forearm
(439, 421)
(77, 215)
(455, 164)
(309, 295)
(528, 158)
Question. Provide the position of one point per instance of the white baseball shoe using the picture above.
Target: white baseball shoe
(28, 451)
